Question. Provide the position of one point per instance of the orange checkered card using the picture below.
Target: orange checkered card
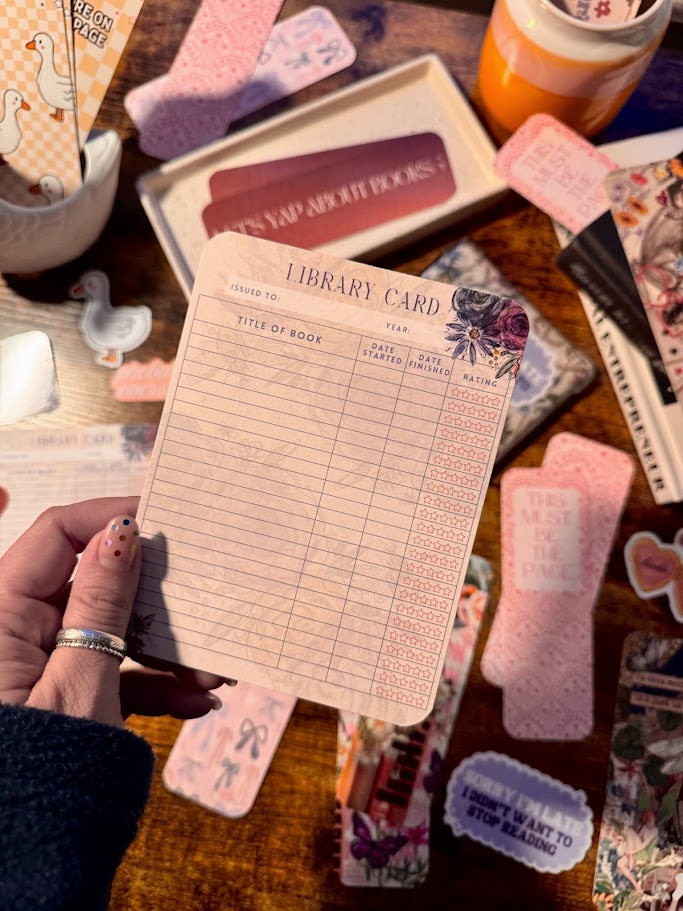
(101, 31)
(39, 154)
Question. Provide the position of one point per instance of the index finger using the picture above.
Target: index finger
(40, 562)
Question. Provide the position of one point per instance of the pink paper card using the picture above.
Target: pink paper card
(607, 474)
(557, 170)
(603, 12)
(544, 531)
(324, 452)
(647, 206)
(301, 51)
(138, 382)
(198, 99)
(38, 136)
(221, 760)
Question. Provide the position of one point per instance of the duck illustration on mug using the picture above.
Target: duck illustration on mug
(50, 187)
(55, 90)
(10, 131)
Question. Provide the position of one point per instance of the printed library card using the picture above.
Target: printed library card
(38, 136)
(647, 205)
(387, 775)
(639, 862)
(323, 456)
(42, 468)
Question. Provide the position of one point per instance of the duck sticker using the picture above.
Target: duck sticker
(110, 331)
(55, 90)
(38, 129)
(50, 188)
(10, 131)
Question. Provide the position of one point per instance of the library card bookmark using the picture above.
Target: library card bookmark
(319, 473)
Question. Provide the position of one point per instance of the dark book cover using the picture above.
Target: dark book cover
(596, 262)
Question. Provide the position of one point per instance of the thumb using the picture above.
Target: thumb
(84, 681)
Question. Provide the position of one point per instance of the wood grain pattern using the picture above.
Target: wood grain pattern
(279, 858)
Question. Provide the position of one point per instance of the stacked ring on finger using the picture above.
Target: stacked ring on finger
(80, 637)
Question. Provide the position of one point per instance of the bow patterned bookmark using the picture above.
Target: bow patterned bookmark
(221, 760)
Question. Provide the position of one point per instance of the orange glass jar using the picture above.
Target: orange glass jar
(537, 58)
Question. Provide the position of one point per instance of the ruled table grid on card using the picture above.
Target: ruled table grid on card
(313, 500)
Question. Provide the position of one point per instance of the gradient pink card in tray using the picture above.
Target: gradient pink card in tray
(322, 461)
(313, 202)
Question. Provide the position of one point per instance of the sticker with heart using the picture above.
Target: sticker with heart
(655, 568)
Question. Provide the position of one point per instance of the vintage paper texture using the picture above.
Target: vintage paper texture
(325, 449)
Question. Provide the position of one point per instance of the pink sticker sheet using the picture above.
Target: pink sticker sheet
(557, 170)
(300, 51)
(198, 99)
(221, 760)
(604, 475)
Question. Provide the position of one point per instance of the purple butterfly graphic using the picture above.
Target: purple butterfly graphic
(662, 198)
(431, 779)
(377, 851)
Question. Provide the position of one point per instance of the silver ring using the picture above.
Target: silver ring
(80, 637)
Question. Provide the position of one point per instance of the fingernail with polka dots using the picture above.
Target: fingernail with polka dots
(120, 543)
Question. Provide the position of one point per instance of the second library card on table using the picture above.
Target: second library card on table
(319, 472)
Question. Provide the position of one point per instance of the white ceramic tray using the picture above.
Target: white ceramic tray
(415, 97)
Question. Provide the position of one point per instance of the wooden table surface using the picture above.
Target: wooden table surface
(279, 857)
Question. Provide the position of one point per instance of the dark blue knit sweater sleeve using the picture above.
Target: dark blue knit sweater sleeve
(71, 794)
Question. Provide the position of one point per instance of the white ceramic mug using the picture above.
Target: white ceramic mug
(36, 239)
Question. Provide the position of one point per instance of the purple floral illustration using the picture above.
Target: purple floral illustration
(138, 440)
(376, 851)
(485, 326)
(431, 779)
